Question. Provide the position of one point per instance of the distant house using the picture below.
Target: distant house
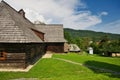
(112, 54)
(90, 49)
(115, 54)
(22, 42)
(74, 48)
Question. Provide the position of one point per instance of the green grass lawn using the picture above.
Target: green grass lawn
(52, 69)
(111, 63)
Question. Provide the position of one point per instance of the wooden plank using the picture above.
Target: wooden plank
(16, 56)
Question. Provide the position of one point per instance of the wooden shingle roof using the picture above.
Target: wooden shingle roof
(53, 32)
(14, 28)
(74, 48)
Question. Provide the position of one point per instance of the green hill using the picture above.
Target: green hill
(95, 36)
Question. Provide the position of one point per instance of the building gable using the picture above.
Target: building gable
(15, 28)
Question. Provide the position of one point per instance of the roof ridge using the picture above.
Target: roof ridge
(50, 24)
(19, 14)
(8, 5)
(15, 10)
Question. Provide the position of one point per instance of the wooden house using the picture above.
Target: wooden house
(54, 36)
(20, 42)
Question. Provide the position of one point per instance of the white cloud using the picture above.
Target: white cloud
(58, 11)
(103, 13)
(82, 20)
(34, 16)
(111, 27)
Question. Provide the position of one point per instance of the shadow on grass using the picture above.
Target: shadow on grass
(107, 69)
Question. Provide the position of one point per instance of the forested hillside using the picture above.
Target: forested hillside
(98, 40)
(94, 36)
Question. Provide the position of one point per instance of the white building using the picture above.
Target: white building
(90, 50)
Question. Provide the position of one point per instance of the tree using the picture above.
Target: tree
(83, 43)
(68, 37)
(108, 46)
(95, 46)
(113, 46)
(103, 44)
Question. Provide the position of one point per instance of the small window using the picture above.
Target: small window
(2, 55)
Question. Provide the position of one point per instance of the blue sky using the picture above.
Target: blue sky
(97, 15)
(112, 7)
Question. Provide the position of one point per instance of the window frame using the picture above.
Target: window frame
(3, 56)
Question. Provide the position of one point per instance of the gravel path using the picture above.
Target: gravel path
(17, 70)
(48, 55)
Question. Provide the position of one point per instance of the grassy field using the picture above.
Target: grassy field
(111, 63)
(52, 69)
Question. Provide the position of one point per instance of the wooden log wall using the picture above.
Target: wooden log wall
(21, 55)
(35, 51)
(14, 60)
(55, 47)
